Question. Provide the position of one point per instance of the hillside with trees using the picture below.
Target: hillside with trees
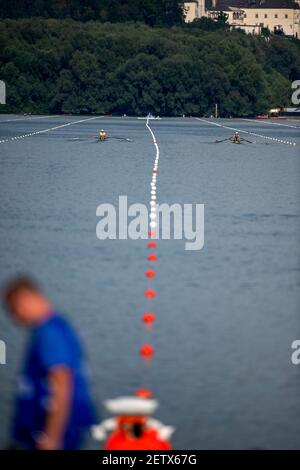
(67, 66)
(151, 12)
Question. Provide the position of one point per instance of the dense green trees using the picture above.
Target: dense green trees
(92, 67)
(151, 12)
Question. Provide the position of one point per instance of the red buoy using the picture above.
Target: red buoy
(147, 351)
(149, 318)
(150, 293)
(152, 257)
(152, 245)
(150, 273)
(143, 392)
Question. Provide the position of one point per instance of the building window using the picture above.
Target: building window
(245, 15)
(266, 16)
(276, 16)
(286, 16)
(256, 15)
(237, 15)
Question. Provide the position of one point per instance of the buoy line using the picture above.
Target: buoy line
(274, 139)
(271, 123)
(153, 202)
(29, 118)
(43, 131)
(147, 350)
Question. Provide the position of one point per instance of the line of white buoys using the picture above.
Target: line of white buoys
(43, 131)
(153, 193)
(271, 123)
(29, 118)
(255, 134)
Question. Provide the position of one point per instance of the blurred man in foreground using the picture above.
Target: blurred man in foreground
(54, 408)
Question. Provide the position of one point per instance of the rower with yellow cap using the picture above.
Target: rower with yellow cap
(102, 135)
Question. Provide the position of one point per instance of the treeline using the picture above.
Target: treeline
(64, 66)
(151, 12)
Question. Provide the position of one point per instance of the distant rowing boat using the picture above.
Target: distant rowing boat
(150, 117)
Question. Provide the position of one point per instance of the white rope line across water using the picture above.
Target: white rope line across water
(271, 123)
(255, 134)
(153, 202)
(43, 131)
(29, 118)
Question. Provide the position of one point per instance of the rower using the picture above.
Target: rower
(132, 427)
(102, 135)
(236, 137)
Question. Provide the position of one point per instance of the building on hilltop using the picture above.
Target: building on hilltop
(195, 9)
(279, 16)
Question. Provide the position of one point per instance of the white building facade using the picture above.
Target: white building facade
(195, 9)
(279, 16)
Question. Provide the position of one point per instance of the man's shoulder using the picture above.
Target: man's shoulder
(57, 324)
(57, 342)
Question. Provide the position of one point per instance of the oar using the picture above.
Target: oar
(80, 139)
(121, 139)
(219, 141)
(249, 141)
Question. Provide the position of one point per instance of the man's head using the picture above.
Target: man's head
(25, 301)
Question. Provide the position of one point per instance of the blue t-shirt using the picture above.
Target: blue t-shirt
(53, 343)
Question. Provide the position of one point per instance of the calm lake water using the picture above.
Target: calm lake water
(227, 314)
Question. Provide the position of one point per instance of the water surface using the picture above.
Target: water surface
(227, 314)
